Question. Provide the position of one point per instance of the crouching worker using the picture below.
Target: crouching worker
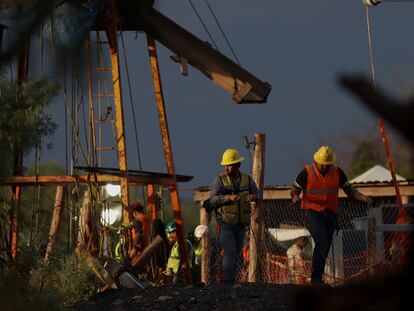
(175, 270)
(140, 229)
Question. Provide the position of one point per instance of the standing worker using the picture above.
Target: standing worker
(174, 266)
(231, 195)
(320, 183)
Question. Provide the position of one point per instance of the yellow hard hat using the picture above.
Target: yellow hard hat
(231, 156)
(324, 156)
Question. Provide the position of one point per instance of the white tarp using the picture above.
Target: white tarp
(288, 234)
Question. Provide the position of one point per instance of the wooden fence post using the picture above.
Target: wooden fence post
(205, 247)
(256, 219)
(55, 224)
(85, 229)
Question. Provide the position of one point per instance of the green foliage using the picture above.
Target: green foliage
(16, 292)
(360, 147)
(66, 276)
(32, 285)
(366, 155)
(36, 209)
(4, 226)
(15, 295)
(23, 122)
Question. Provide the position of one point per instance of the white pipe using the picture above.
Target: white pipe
(375, 2)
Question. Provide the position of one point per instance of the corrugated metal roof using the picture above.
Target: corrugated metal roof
(376, 173)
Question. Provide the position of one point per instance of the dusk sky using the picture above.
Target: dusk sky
(299, 47)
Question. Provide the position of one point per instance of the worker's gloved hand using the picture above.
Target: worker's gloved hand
(234, 197)
(295, 198)
(168, 272)
(251, 198)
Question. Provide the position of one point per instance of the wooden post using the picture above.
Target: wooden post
(54, 227)
(205, 247)
(85, 230)
(256, 219)
(372, 243)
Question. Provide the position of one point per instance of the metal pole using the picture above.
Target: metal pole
(152, 205)
(162, 116)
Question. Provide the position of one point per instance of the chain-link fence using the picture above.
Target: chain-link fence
(368, 239)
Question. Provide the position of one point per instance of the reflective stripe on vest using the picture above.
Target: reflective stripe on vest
(321, 193)
(236, 212)
(175, 256)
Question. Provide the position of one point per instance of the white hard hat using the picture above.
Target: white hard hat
(200, 230)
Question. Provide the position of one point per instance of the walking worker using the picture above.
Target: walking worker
(231, 195)
(174, 266)
(320, 183)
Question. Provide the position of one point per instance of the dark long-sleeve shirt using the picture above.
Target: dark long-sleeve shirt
(218, 198)
(302, 180)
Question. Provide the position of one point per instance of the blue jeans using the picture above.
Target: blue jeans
(321, 226)
(231, 238)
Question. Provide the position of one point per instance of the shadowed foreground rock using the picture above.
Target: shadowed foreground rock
(220, 297)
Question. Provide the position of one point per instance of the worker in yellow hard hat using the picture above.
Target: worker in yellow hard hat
(232, 194)
(320, 183)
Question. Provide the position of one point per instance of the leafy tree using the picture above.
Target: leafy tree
(23, 121)
(23, 125)
(360, 147)
(37, 205)
(366, 155)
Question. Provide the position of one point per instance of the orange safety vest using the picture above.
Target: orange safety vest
(321, 193)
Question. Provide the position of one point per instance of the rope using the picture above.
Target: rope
(65, 97)
(371, 57)
(133, 112)
(204, 25)
(381, 121)
(222, 31)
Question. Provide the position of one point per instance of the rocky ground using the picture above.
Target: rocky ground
(219, 297)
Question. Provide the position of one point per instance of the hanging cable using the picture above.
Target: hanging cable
(65, 97)
(222, 31)
(371, 57)
(381, 122)
(133, 111)
(204, 25)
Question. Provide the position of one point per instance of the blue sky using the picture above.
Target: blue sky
(299, 47)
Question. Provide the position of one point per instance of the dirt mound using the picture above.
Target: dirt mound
(219, 297)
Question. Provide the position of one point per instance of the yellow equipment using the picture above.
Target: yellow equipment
(324, 156)
(231, 156)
